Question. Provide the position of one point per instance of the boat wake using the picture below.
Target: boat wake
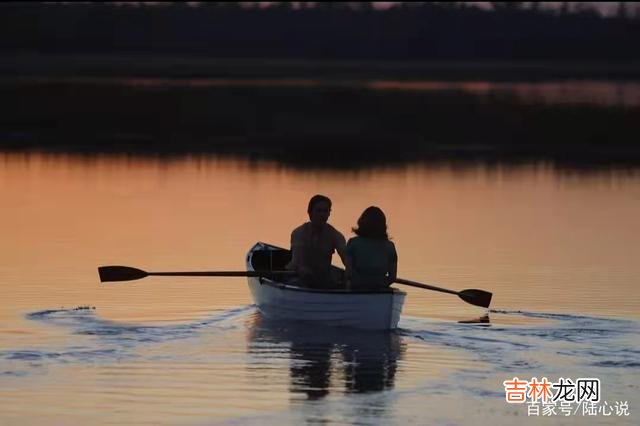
(564, 346)
(100, 340)
(473, 357)
(82, 321)
(427, 363)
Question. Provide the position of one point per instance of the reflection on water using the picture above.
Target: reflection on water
(557, 247)
(339, 124)
(233, 367)
(607, 93)
(366, 361)
(483, 320)
(538, 237)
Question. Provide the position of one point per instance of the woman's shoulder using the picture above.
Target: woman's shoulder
(373, 242)
(391, 249)
(354, 240)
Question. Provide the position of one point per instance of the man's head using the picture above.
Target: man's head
(319, 209)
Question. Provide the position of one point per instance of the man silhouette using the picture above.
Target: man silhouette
(313, 244)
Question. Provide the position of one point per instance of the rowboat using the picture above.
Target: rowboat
(279, 299)
(278, 296)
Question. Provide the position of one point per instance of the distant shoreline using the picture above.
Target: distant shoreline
(575, 159)
(78, 104)
(26, 65)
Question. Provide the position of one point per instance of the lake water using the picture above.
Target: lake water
(557, 247)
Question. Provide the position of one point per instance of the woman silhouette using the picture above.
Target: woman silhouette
(373, 258)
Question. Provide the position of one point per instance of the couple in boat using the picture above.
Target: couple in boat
(370, 259)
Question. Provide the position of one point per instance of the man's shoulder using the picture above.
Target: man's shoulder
(299, 234)
(300, 229)
(335, 233)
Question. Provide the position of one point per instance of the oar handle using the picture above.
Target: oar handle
(421, 285)
(220, 273)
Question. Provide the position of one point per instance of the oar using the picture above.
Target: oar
(126, 273)
(472, 296)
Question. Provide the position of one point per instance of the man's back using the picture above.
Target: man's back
(313, 247)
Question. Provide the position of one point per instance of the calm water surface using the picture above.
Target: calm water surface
(559, 250)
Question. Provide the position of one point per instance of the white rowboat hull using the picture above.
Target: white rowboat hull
(279, 301)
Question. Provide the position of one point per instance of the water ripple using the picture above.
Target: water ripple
(110, 341)
(576, 341)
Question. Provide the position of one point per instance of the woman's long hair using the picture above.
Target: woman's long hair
(372, 224)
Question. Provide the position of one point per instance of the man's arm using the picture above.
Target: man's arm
(296, 253)
(298, 260)
(341, 248)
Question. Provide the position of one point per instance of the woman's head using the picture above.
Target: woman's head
(372, 224)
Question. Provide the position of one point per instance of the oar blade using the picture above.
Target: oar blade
(476, 297)
(120, 273)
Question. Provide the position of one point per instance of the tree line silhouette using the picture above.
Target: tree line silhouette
(411, 31)
(337, 126)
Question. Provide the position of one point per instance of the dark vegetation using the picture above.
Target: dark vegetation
(322, 124)
(412, 31)
(335, 122)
